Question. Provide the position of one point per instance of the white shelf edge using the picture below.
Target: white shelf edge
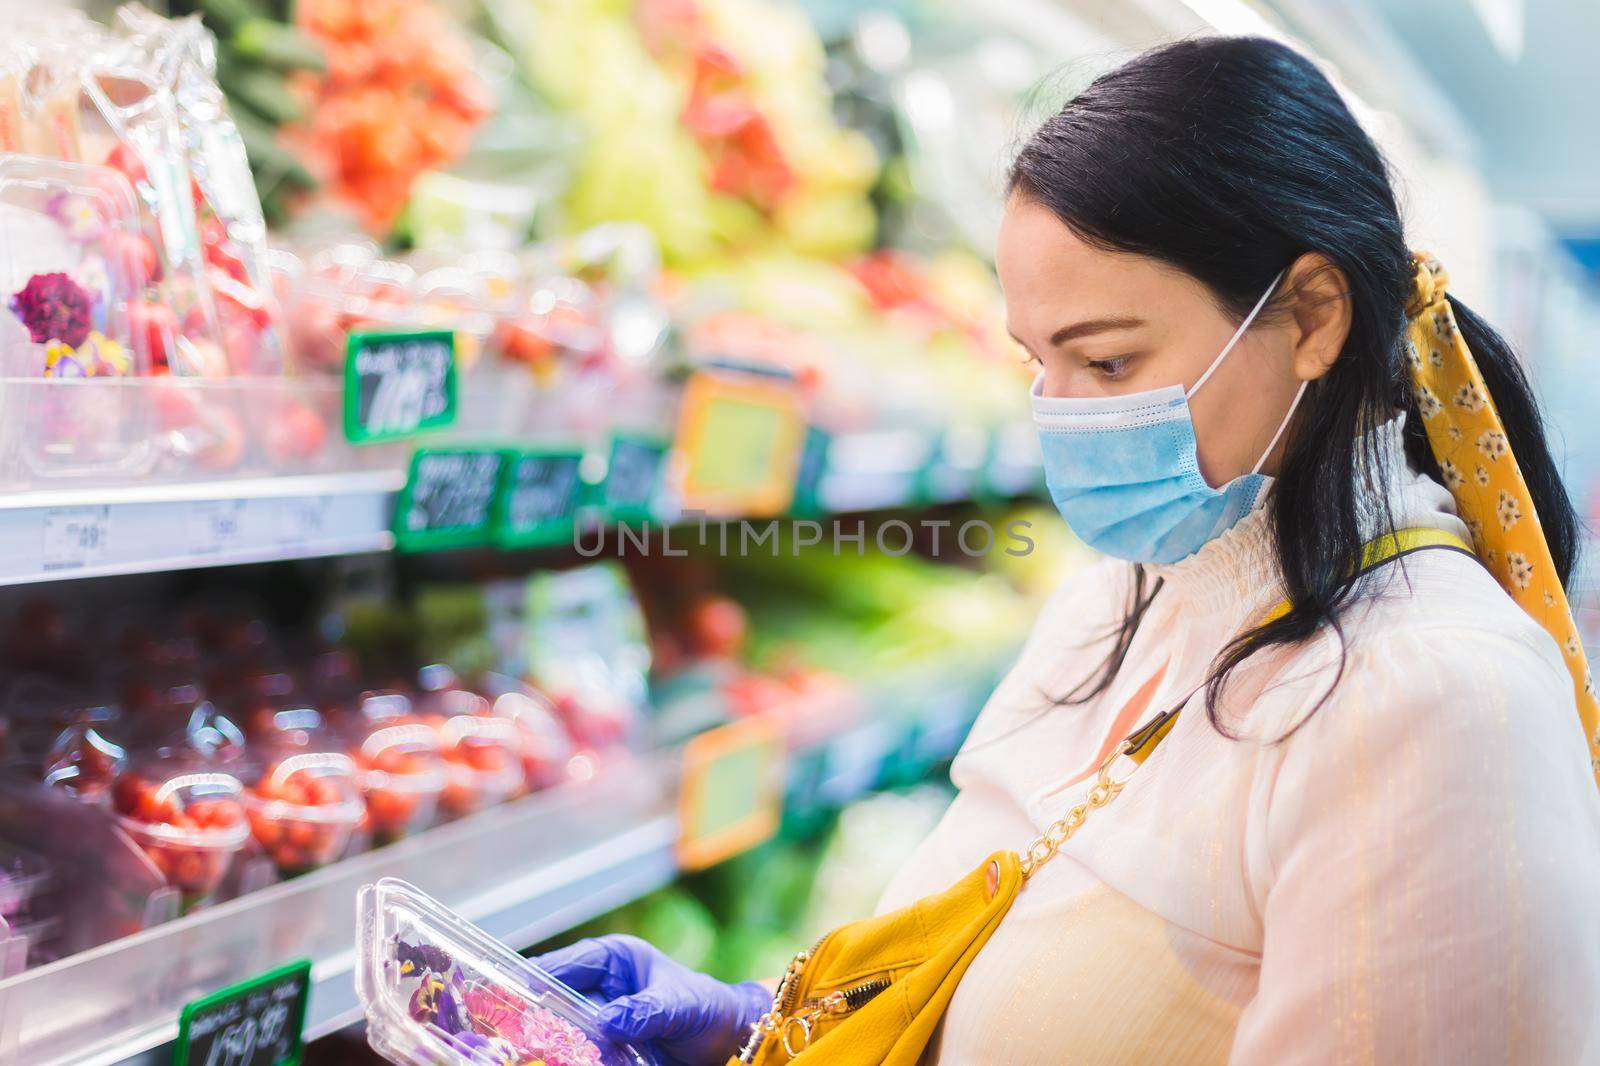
(353, 482)
(524, 871)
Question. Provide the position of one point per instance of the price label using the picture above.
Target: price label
(739, 440)
(633, 477)
(448, 501)
(259, 1022)
(75, 537)
(301, 521)
(215, 526)
(732, 793)
(808, 475)
(538, 497)
(398, 384)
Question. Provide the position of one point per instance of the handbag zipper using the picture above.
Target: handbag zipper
(845, 1000)
(790, 985)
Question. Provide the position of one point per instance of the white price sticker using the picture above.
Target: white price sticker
(301, 521)
(75, 537)
(215, 527)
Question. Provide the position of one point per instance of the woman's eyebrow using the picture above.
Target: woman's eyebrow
(1093, 326)
(1086, 328)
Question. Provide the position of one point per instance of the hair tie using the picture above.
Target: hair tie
(1469, 441)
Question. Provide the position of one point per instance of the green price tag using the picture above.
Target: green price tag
(398, 384)
(449, 499)
(808, 478)
(633, 478)
(259, 1022)
(740, 439)
(731, 797)
(538, 497)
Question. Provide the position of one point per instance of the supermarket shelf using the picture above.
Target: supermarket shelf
(524, 871)
(920, 720)
(94, 532)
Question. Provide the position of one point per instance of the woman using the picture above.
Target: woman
(1374, 835)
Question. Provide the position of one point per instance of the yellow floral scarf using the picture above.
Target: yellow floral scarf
(1469, 441)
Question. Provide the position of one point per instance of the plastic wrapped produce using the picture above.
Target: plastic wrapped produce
(303, 808)
(83, 762)
(399, 766)
(24, 877)
(483, 753)
(232, 231)
(437, 990)
(187, 816)
(545, 749)
(73, 262)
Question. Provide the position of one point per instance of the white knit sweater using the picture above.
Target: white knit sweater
(1412, 875)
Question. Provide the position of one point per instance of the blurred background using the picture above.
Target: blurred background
(618, 215)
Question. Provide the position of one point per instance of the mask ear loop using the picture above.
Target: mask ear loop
(1226, 348)
(1273, 443)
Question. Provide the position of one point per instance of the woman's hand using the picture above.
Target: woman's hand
(671, 1013)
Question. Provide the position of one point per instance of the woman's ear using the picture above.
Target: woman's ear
(1318, 308)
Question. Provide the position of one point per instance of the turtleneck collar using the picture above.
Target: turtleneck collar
(1239, 569)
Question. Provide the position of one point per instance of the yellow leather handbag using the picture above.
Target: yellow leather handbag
(873, 991)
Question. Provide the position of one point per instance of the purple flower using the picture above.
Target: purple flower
(420, 958)
(62, 362)
(53, 307)
(484, 1050)
(77, 215)
(450, 1015)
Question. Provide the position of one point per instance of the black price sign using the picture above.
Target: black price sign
(538, 500)
(398, 384)
(259, 1022)
(448, 501)
(633, 476)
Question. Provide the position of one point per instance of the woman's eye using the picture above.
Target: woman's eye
(1108, 368)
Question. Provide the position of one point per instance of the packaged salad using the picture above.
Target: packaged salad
(438, 990)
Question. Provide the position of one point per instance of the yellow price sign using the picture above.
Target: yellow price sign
(731, 797)
(739, 441)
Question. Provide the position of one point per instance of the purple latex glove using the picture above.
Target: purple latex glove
(676, 1016)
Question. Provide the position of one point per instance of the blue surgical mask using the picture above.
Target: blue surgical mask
(1125, 474)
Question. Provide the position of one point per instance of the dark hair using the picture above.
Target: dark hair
(1228, 158)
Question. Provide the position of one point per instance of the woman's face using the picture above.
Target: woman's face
(1103, 323)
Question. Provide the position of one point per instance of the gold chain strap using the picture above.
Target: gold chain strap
(1058, 832)
(772, 1022)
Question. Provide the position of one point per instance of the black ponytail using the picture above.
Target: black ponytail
(1514, 400)
(1229, 158)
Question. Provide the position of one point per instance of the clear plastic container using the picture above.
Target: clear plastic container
(24, 877)
(73, 263)
(40, 933)
(187, 816)
(83, 762)
(303, 809)
(484, 757)
(545, 748)
(438, 990)
(483, 753)
(232, 231)
(398, 764)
